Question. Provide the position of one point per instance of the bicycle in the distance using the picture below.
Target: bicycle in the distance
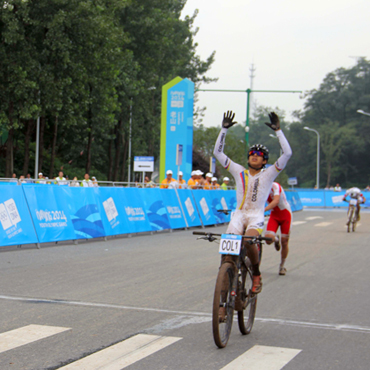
(351, 214)
(233, 290)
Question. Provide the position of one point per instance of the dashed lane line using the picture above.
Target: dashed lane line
(263, 357)
(323, 224)
(313, 218)
(295, 223)
(27, 334)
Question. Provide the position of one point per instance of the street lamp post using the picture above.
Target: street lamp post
(362, 112)
(249, 91)
(318, 156)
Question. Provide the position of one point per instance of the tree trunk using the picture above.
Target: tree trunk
(110, 162)
(89, 144)
(30, 125)
(329, 175)
(53, 149)
(124, 159)
(41, 142)
(9, 145)
(117, 145)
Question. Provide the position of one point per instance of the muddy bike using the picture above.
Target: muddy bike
(234, 283)
(352, 215)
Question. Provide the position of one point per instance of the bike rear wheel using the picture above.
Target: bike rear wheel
(223, 305)
(350, 217)
(247, 315)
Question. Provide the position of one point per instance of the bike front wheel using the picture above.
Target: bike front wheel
(247, 315)
(350, 218)
(223, 305)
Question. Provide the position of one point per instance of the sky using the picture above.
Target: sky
(292, 45)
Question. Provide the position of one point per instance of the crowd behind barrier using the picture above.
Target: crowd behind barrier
(38, 214)
(326, 198)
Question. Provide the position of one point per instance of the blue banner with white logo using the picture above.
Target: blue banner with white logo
(173, 208)
(314, 198)
(84, 211)
(189, 207)
(50, 213)
(219, 202)
(203, 201)
(293, 200)
(16, 224)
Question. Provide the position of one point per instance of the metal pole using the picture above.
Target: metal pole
(37, 148)
(129, 146)
(247, 119)
(318, 161)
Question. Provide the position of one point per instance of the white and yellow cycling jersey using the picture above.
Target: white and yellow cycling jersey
(252, 191)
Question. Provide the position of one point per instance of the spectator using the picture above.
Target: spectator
(61, 180)
(14, 178)
(200, 179)
(181, 182)
(149, 183)
(86, 182)
(74, 182)
(193, 181)
(41, 179)
(28, 178)
(337, 188)
(94, 182)
(168, 180)
(225, 183)
(208, 182)
(215, 185)
(367, 188)
(22, 180)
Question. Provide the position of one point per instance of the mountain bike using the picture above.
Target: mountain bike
(233, 290)
(352, 215)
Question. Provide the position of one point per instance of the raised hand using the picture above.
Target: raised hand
(228, 119)
(275, 122)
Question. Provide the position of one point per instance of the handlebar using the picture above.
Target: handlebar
(225, 211)
(209, 236)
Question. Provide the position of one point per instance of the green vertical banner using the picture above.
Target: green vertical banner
(177, 127)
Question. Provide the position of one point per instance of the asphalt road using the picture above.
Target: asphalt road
(63, 303)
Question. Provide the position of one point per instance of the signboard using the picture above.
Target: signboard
(292, 181)
(177, 127)
(178, 155)
(212, 164)
(143, 164)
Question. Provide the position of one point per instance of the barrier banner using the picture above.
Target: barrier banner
(294, 200)
(334, 198)
(111, 202)
(132, 201)
(50, 213)
(84, 211)
(173, 208)
(16, 223)
(203, 202)
(155, 208)
(314, 198)
(219, 202)
(189, 207)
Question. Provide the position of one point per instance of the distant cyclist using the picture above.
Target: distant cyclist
(355, 193)
(252, 186)
(281, 215)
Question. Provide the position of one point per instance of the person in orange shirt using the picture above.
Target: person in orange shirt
(215, 185)
(193, 181)
(200, 179)
(168, 180)
(181, 182)
(207, 184)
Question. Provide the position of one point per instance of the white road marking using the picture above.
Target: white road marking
(263, 357)
(313, 218)
(299, 222)
(27, 334)
(344, 327)
(123, 354)
(323, 224)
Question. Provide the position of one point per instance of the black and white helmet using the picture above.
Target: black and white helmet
(261, 148)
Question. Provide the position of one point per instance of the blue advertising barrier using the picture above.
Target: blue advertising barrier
(313, 198)
(189, 207)
(219, 201)
(50, 212)
(173, 208)
(16, 224)
(203, 202)
(294, 200)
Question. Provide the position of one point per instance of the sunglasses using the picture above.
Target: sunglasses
(258, 152)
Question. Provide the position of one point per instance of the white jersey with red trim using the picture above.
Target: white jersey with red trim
(252, 191)
(354, 193)
(277, 189)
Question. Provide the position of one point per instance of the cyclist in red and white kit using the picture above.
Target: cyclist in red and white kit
(355, 193)
(252, 187)
(281, 215)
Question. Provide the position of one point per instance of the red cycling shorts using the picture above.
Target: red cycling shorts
(283, 219)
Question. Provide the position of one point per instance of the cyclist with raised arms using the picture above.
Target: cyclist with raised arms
(252, 186)
(355, 193)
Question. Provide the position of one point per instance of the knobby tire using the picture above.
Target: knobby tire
(223, 298)
(247, 315)
(350, 215)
